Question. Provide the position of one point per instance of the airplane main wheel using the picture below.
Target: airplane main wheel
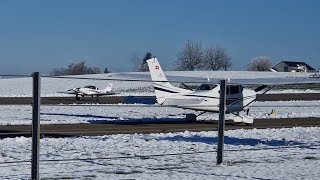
(191, 117)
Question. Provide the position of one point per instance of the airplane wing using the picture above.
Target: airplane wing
(70, 91)
(106, 94)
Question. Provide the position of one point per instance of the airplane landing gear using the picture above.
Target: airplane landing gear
(247, 111)
(191, 117)
(246, 119)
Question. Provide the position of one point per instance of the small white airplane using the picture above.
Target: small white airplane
(205, 98)
(92, 91)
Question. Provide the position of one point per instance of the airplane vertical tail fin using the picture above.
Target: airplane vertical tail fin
(108, 88)
(162, 87)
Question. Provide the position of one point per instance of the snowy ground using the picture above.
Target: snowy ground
(22, 114)
(250, 154)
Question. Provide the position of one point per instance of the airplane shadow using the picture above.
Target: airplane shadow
(195, 138)
(94, 119)
(78, 115)
(232, 141)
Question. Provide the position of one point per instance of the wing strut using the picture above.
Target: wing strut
(188, 87)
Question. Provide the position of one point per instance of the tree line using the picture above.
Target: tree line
(193, 56)
(76, 69)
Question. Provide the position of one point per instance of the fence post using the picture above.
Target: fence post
(222, 111)
(35, 126)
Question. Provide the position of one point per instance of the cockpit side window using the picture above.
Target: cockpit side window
(90, 87)
(206, 87)
(234, 89)
(228, 90)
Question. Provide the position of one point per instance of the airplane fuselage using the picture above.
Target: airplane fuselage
(205, 98)
(209, 100)
(91, 91)
(88, 91)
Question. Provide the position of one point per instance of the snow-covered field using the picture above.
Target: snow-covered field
(250, 154)
(50, 86)
(91, 113)
(288, 153)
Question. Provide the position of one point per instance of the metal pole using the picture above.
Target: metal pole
(222, 111)
(35, 126)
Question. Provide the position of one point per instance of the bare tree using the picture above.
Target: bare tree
(58, 72)
(135, 59)
(106, 70)
(93, 70)
(261, 63)
(75, 69)
(194, 57)
(190, 57)
(144, 66)
(215, 58)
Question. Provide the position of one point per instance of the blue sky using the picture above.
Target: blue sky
(42, 35)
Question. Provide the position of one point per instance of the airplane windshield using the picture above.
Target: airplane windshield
(234, 89)
(90, 87)
(206, 87)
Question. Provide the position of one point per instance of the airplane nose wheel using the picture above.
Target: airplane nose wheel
(243, 119)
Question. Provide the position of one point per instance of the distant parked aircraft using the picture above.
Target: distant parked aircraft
(90, 90)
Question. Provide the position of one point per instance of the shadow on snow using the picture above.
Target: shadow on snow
(94, 119)
(232, 140)
(195, 138)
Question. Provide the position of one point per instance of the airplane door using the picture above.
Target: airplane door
(234, 99)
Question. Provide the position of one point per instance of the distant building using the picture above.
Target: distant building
(290, 66)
